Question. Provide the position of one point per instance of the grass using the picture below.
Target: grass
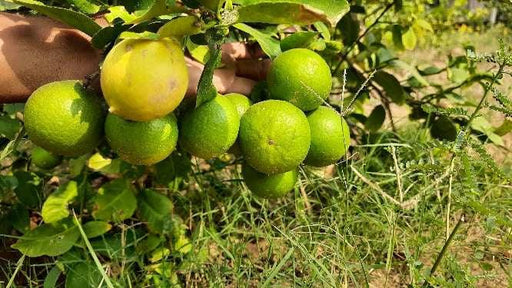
(396, 212)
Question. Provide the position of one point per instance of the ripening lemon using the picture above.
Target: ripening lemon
(301, 77)
(269, 186)
(64, 118)
(144, 79)
(142, 143)
(330, 137)
(274, 136)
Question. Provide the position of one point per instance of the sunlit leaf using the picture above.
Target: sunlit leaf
(268, 44)
(180, 27)
(409, 39)
(292, 11)
(96, 228)
(55, 208)
(74, 19)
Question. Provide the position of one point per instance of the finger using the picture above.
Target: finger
(222, 78)
(253, 68)
(241, 85)
(238, 50)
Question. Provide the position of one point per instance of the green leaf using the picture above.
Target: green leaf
(84, 275)
(77, 165)
(19, 218)
(323, 30)
(159, 7)
(74, 19)
(443, 129)
(52, 277)
(206, 91)
(269, 45)
(85, 6)
(180, 27)
(156, 210)
(173, 170)
(391, 86)
(98, 162)
(414, 72)
(376, 119)
(9, 127)
(96, 228)
(115, 201)
(505, 128)
(48, 240)
(409, 39)
(481, 124)
(55, 208)
(119, 12)
(150, 243)
(27, 189)
(396, 31)
(349, 29)
(142, 35)
(302, 12)
(200, 53)
(4, 6)
(107, 35)
(300, 39)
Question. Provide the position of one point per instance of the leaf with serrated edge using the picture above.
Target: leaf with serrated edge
(115, 201)
(48, 240)
(156, 210)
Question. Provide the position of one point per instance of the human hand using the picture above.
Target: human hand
(37, 50)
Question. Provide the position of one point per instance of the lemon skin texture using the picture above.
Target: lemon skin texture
(269, 186)
(242, 103)
(301, 77)
(142, 143)
(211, 129)
(64, 118)
(330, 137)
(144, 79)
(274, 136)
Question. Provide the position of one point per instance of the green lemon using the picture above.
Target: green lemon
(144, 79)
(142, 143)
(269, 186)
(242, 103)
(44, 159)
(274, 136)
(211, 129)
(64, 118)
(301, 77)
(330, 137)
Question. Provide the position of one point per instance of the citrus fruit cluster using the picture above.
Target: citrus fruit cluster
(144, 81)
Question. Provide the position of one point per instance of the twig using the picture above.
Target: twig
(18, 267)
(443, 250)
(344, 56)
(398, 174)
(375, 186)
(305, 197)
